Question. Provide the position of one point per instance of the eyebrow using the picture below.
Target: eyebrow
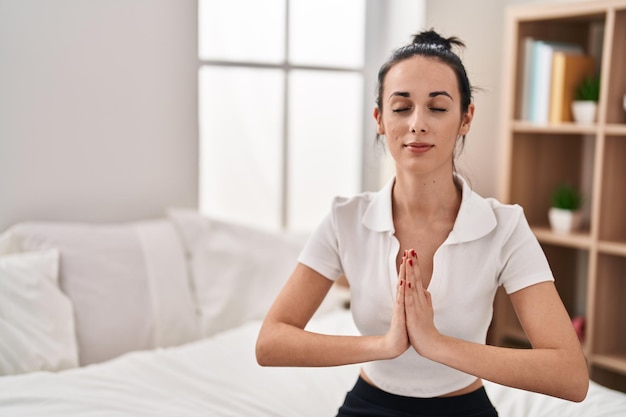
(432, 94)
(400, 94)
(440, 93)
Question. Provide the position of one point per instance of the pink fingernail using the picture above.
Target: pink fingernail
(411, 262)
(413, 253)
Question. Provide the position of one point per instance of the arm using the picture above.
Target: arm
(554, 366)
(283, 341)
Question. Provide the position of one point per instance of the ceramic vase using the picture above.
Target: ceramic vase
(584, 111)
(564, 221)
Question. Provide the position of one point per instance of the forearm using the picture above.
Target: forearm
(557, 372)
(282, 344)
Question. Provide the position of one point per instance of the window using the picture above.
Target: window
(281, 108)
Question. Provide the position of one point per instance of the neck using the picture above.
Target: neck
(426, 198)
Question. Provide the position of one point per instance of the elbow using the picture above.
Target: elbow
(579, 386)
(574, 377)
(261, 356)
(263, 350)
(579, 392)
(272, 345)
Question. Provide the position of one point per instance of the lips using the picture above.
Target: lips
(419, 147)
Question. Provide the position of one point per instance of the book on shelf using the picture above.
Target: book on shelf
(539, 77)
(568, 70)
(527, 64)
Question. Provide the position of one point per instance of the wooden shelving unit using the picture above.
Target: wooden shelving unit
(589, 265)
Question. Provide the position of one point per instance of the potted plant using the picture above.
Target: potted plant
(585, 104)
(565, 214)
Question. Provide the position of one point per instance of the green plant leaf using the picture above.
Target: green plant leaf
(566, 197)
(588, 89)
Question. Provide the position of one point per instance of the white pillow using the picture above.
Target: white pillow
(175, 318)
(9, 244)
(36, 318)
(237, 271)
(123, 299)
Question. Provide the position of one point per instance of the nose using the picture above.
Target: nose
(418, 123)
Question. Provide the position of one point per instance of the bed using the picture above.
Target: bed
(160, 318)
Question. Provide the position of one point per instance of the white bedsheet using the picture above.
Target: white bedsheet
(219, 377)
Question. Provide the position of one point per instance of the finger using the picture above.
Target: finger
(401, 281)
(414, 281)
(417, 276)
(399, 307)
(402, 271)
(410, 272)
(410, 290)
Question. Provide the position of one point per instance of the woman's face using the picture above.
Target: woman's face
(421, 115)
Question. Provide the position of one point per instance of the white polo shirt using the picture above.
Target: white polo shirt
(491, 244)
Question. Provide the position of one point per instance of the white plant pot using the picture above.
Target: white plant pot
(564, 221)
(584, 111)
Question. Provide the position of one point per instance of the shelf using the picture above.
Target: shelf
(589, 265)
(556, 12)
(615, 362)
(521, 126)
(578, 240)
(613, 248)
(613, 199)
(615, 129)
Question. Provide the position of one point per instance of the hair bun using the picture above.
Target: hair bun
(435, 40)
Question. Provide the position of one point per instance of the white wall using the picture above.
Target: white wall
(98, 102)
(98, 109)
(480, 24)
(391, 24)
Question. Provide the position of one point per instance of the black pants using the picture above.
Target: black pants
(366, 400)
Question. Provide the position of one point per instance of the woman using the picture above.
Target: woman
(424, 257)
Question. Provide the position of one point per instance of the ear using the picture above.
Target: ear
(380, 129)
(466, 120)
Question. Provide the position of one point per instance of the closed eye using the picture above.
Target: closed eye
(401, 109)
(438, 109)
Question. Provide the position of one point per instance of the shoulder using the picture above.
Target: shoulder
(355, 204)
(509, 217)
(347, 212)
(505, 212)
(512, 224)
(365, 211)
(481, 217)
(373, 208)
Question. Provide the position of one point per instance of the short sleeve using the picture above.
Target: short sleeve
(523, 259)
(321, 252)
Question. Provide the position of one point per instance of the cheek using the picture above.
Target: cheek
(393, 130)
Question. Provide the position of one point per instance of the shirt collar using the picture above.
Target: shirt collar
(474, 220)
(378, 215)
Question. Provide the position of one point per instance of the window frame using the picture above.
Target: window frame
(286, 67)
